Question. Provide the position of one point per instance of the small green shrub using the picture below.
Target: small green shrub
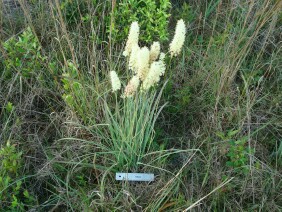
(13, 196)
(237, 151)
(152, 16)
(23, 55)
(238, 154)
(77, 93)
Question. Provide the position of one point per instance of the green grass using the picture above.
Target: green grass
(211, 131)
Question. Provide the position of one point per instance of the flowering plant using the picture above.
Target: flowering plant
(132, 123)
(148, 65)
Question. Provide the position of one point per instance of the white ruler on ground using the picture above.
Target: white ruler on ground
(134, 177)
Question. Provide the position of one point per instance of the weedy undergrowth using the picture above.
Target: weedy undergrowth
(228, 77)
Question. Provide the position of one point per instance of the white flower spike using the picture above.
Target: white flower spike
(132, 38)
(178, 40)
(116, 85)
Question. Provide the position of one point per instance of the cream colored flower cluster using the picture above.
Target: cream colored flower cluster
(132, 38)
(148, 65)
(157, 69)
(132, 86)
(116, 84)
(178, 40)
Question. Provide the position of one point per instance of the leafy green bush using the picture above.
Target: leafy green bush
(13, 196)
(152, 16)
(23, 55)
(237, 151)
(77, 93)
